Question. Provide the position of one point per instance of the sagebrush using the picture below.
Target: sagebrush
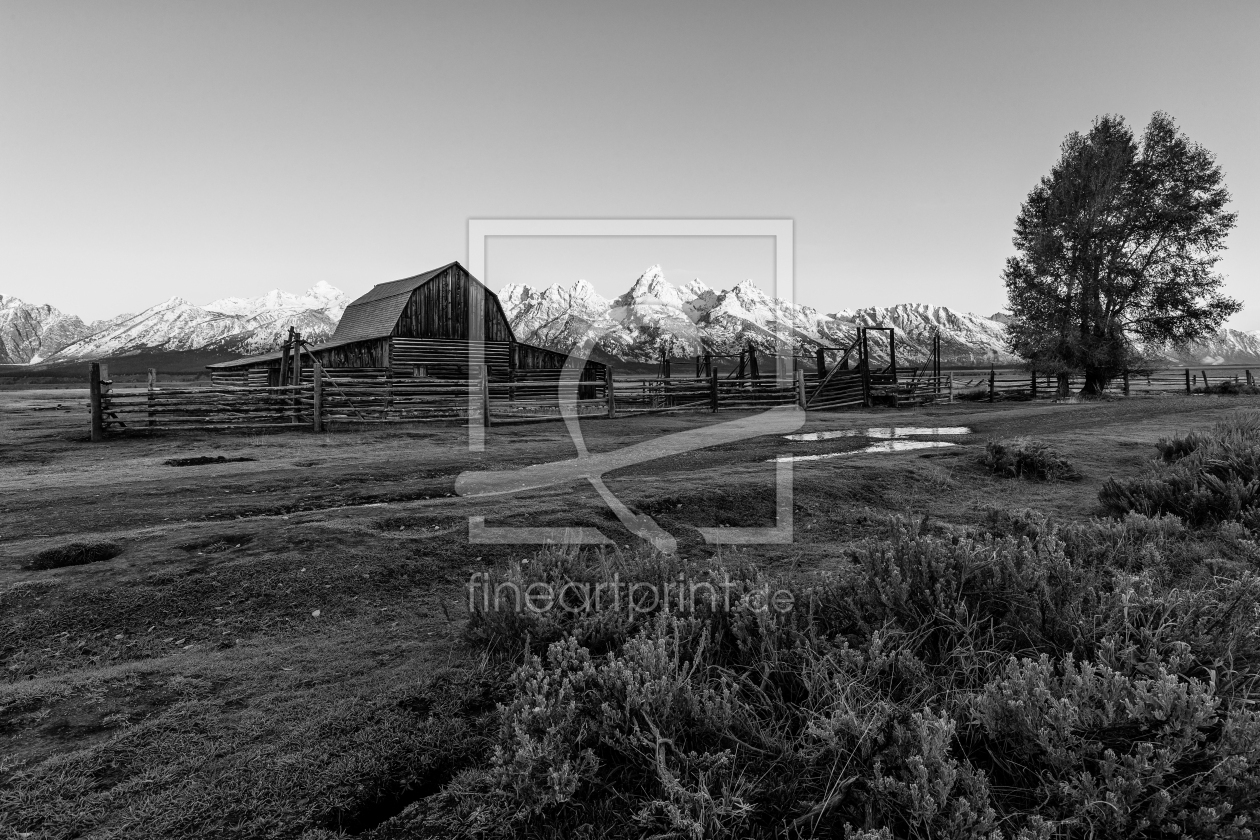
(1005, 682)
(1023, 457)
(1203, 478)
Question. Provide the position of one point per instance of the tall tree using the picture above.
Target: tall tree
(1117, 245)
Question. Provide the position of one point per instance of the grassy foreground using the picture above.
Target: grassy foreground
(951, 667)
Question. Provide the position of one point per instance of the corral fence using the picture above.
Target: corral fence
(994, 385)
(325, 397)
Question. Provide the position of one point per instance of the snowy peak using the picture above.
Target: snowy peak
(322, 297)
(651, 289)
(581, 296)
(695, 289)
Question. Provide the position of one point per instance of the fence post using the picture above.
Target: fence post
(992, 384)
(1205, 382)
(1250, 379)
(800, 388)
(713, 391)
(822, 363)
(485, 395)
(609, 392)
(317, 396)
(152, 390)
(951, 387)
(94, 395)
(892, 359)
(295, 378)
(1187, 381)
(1034, 385)
(284, 361)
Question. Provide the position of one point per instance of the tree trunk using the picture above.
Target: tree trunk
(1061, 386)
(1096, 380)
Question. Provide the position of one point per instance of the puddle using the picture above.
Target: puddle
(883, 433)
(883, 446)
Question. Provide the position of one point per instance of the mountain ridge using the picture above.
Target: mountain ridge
(652, 317)
(41, 334)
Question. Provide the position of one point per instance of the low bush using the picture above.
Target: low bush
(1010, 682)
(1176, 448)
(1204, 479)
(1024, 457)
(1158, 546)
(1228, 387)
(73, 554)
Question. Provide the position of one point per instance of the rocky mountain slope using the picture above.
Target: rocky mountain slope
(233, 326)
(29, 333)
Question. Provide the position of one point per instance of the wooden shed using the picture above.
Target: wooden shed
(421, 326)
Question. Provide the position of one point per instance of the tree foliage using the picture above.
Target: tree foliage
(1118, 246)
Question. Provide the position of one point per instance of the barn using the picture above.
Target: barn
(420, 326)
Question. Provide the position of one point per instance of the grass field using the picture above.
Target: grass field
(278, 647)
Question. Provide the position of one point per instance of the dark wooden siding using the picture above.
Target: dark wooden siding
(439, 309)
(529, 357)
(449, 355)
(356, 354)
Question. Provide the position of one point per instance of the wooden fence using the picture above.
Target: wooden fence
(994, 385)
(325, 397)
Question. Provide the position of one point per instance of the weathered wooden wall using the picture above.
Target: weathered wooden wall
(439, 309)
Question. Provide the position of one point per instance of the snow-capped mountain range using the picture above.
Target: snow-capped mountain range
(652, 317)
(233, 326)
(655, 316)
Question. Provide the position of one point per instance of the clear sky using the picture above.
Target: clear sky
(149, 149)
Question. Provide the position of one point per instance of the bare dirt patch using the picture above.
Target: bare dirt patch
(73, 554)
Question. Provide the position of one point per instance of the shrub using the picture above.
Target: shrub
(1118, 753)
(1204, 479)
(1160, 546)
(1008, 684)
(1176, 448)
(1229, 387)
(1024, 457)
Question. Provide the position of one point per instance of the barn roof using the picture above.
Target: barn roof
(374, 314)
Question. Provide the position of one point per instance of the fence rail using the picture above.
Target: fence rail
(361, 395)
